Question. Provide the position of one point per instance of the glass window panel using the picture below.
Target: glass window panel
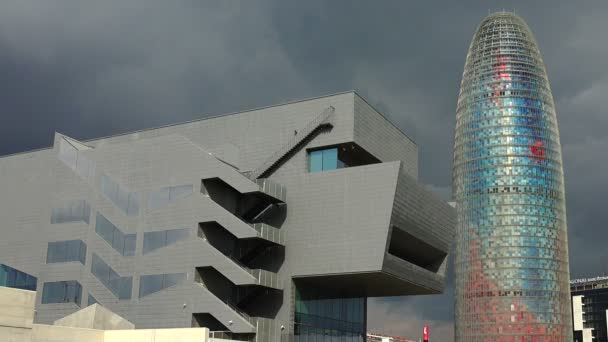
(120, 286)
(76, 210)
(158, 199)
(3, 275)
(122, 200)
(82, 257)
(11, 277)
(124, 289)
(108, 187)
(149, 284)
(72, 211)
(154, 240)
(330, 159)
(62, 292)
(315, 161)
(124, 244)
(51, 253)
(73, 293)
(91, 300)
(72, 249)
(67, 154)
(20, 280)
(180, 191)
(133, 207)
(104, 228)
(86, 212)
(176, 235)
(129, 244)
(82, 166)
(100, 269)
(118, 241)
(173, 279)
(30, 283)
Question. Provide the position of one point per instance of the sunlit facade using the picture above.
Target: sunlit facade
(512, 252)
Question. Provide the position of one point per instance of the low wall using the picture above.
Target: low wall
(158, 335)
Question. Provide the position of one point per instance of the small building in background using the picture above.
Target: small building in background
(590, 309)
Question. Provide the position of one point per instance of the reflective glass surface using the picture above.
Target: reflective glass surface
(326, 319)
(66, 251)
(324, 160)
(91, 300)
(76, 160)
(153, 283)
(122, 243)
(156, 240)
(126, 201)
(68, 291)
(511, 256)
(160, 198)
(73, 211)
(120, 286)
(10, 277)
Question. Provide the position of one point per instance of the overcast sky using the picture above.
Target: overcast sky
(95, 68)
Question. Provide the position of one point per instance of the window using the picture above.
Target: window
(76, 160)
(126, 201)
(10, 277)
(66, 251)
(91, 300)
(153, 283)
(324, 160)
(160, 198)
(314, 313)
(156, 240)
(74, 211)
(62, 292)
(122, 243)
(120, 286)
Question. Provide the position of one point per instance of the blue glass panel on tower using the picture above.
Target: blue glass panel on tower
(512, 252)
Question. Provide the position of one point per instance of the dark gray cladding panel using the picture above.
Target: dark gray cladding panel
(422, 214)
(372, 284)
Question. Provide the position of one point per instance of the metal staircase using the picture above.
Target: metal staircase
(322, 121)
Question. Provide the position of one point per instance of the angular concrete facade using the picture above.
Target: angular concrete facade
(217, 222)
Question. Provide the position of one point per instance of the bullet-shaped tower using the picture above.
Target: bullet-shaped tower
(512, 274)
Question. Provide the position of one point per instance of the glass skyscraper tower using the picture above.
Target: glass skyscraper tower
(512, 251)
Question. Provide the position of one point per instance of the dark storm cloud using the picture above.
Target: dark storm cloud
(95, 68)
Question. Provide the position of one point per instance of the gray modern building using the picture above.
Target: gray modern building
(271, 224)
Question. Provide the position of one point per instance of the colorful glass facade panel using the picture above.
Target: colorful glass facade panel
(512, 252)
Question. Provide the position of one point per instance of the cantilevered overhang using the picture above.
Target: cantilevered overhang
(395, 241)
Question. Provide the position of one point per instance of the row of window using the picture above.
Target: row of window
(506, 119)
(531, 171)
(121, 242)
(507, 161)
(507, 140)
(70, 291)
(73, 211)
